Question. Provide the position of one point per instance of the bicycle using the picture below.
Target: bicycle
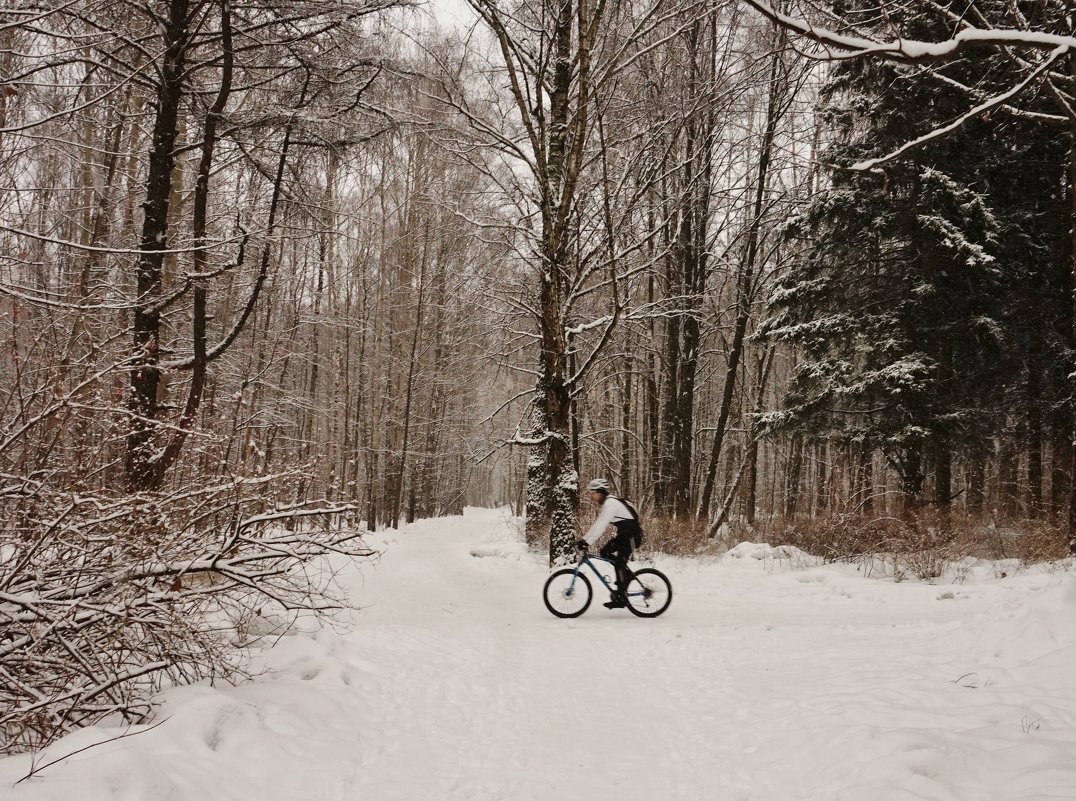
(568, 592)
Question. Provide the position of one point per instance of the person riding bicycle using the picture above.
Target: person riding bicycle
(614, 512)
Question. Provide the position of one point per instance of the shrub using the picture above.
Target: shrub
(104, 599)
(925, 545)
(676, 536)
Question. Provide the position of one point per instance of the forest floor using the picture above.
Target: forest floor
(768, 679)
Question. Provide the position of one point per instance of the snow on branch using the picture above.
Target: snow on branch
(576, 330)
(912, 51)
(530, 441)
(105, 599)
(982, 108)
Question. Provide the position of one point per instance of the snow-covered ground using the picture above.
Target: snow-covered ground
(766, 679)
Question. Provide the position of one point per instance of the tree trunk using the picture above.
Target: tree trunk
(765, 362)
(1060, 462)
(625, 432)
(652, 410)
(911, 480)
(976, 478)
(139, 464)
(409, 387)
(670, 386)
(793, 475)
(539, 503)
(746, 278)
(865, 479)
(821, 479)
(1008, 461)
(943, 475)
(1072, 259)
(1034, 435)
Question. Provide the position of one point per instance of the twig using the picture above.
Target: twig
(35, 769)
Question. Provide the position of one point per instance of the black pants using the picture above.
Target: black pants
(619, 549)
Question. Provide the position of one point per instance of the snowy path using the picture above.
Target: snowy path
(761, 682)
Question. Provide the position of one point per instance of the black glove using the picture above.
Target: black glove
(581, 545)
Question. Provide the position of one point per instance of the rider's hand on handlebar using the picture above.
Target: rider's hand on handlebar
(581, 545)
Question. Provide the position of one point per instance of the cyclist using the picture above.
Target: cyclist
(619, 514)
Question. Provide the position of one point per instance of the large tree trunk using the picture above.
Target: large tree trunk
(1072, 259)
(539, 505)
(563, 480)
(139, 463)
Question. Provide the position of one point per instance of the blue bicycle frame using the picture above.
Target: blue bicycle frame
(588, 560)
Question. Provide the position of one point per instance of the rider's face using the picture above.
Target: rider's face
(596, 497)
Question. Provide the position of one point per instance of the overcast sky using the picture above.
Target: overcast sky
(451, 12)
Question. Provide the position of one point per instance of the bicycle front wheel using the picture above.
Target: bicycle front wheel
(567, 593)
(649, 593)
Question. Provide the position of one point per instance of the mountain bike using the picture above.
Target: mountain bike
(568, 592)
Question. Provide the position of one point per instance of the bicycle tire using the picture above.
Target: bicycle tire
(563, 598)
(649, 593)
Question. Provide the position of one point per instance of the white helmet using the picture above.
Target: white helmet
(598, 485)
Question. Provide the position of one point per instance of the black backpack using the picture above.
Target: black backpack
(635, 531)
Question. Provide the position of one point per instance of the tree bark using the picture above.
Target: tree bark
(409, 389)
(1009, 491)
(200, 358)
(1072, 259)
(1034, 432)
(793, 476)
(976, 478)
(140, 458)
(943, 475)
(865, 479)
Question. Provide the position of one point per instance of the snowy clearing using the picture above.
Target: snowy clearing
(766, 679)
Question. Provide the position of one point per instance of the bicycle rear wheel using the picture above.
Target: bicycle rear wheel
(566, 593)
(649, 593)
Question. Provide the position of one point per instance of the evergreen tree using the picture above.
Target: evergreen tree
(923, 300)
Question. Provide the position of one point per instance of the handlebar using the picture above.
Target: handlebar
(585, 552)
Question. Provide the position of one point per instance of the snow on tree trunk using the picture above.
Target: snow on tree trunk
(539, 506)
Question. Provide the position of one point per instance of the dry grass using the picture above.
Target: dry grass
(925, 546)
(1037, 541)
(677, 537)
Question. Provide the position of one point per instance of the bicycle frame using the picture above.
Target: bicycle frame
(588, 560)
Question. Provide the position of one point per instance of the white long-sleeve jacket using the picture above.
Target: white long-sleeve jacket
(612, 510)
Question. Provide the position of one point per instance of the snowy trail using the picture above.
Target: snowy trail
(761, 682)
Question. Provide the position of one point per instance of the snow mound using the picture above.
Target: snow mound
(499, 551)
(760, 551)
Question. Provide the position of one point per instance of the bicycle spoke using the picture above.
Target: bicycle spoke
(649, 593)
(567, 594)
